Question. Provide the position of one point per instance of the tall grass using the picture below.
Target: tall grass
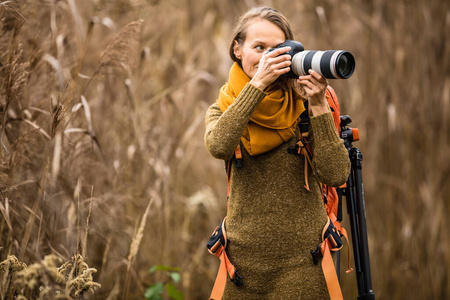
(101, 110)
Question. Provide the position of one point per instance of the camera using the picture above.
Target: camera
(331, 64)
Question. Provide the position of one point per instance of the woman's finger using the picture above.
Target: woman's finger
(317, 76)
(281, 58)
(308, 84)
(282, 64)
(277, 52)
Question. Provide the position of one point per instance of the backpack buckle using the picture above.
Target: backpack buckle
(237, 279)
(316, 254)
(293, 149)
(239, 163)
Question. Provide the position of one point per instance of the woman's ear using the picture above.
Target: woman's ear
(237, 50)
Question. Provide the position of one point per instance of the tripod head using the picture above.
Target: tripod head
(349, 135)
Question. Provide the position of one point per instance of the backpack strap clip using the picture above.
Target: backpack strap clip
(237, 280)
(316, 254)
(293, 149)
(330, 235)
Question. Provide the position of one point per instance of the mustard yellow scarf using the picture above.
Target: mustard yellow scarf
(273, 121)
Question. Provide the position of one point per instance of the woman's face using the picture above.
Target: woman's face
(262, 35)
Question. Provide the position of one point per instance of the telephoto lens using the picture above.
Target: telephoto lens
(331, 64)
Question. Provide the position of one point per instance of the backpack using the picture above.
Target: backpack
(332, 231)
(331, 234)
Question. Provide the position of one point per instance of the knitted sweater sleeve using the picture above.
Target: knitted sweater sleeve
(331, 162)
(224, 130)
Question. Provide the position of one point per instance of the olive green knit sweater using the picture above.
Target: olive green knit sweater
(273, 222)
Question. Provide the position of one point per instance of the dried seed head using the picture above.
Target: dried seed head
(11, 265)
(122, 53)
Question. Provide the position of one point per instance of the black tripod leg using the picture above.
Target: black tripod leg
(351, 209)
(356, 159)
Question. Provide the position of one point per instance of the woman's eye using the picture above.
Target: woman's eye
(260, 48)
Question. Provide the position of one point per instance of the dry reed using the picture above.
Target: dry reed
(134, 248)
(121, 54)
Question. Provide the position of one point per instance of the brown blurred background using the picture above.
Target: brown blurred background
(102, 117)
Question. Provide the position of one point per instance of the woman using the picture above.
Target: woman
(273, 221)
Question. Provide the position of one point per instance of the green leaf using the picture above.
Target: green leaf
(163, 268)
(159, 268)
(173, 292)
(176, 277)
(154, 291)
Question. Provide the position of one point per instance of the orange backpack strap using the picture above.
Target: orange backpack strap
(238, 156)
(216, 246)
(218, 243)
(329, 272)
(331, 241)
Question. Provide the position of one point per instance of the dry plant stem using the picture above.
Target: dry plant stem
(83, 42)
(4, 209)
(79, 233)
(38, 237)
(86, 229)
(134, 116)
(134, 247)
(30, 223)
(56, 162)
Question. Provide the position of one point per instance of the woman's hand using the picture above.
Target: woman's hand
(315, 86)
(271, 66)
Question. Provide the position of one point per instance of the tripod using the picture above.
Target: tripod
(354, 194)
